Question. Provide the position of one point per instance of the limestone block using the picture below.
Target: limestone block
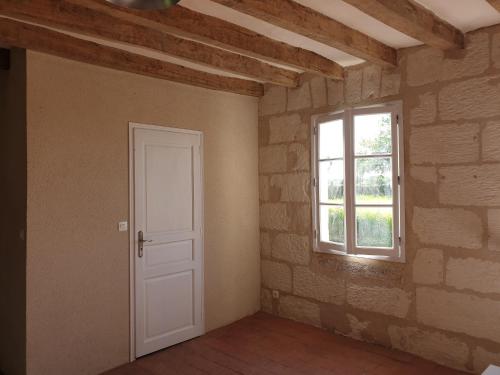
(430, 345)
(299, 98)
(352, 82)
(424, 174)
(274, 216)
(391, 82)
(335, 92)
(483, 358)
(306, 283)
(448, 144)
(266, 301)
(276, 276)
(469, 99)
(292, 248)
(473, 274)
(471, 61)
(495, 50)
(357, 327)
(360, 268)
(265, 244)
(300, 310)
(428, 267)
(470, 185)
(292, 187)
(388, 301)
(424, 66)
(273, 159)
(318, 91)
(491, 141)
(459, 312)
(287, 128)
(371, 81)
(298, 157)
(300, 218)
(264, 188)
(426, 111)
(454, 227)
(273, 101)
(494, 229)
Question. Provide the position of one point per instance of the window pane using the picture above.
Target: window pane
(331, 181)
(374, 227)
(372, 134)
(331, 140)
(332, 224)
(373, 180)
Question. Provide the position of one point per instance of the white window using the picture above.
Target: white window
(357, 182)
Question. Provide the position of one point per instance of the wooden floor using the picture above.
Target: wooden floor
(263, 344)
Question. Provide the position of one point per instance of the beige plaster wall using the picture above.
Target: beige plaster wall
(13, 215)
(444, 302)
(78, 263)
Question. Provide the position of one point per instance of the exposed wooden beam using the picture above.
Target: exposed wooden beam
(414, 20)
(495, 4)
(211, 30)
(4, 59)
(71, 17)
(300, 19)
(39, 39)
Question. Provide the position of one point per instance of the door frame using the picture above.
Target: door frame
(132, 248)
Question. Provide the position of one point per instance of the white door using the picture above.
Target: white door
(168, 237)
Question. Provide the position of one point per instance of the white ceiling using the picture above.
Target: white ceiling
(466, 15)
(352, 17)
(273, 32)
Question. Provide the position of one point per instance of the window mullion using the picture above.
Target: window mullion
(399, 143)
(349, 181)
(395, 184)
(315, 183)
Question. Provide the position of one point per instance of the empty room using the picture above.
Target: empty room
(261, 187)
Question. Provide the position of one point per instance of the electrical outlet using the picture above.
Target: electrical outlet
(276, 294)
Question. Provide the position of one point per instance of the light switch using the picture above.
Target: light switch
(122, 226)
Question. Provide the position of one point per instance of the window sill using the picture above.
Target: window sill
(393, 259)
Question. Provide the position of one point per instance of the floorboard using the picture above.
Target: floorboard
(266, 345)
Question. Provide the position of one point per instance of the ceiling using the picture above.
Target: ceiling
(465, 15)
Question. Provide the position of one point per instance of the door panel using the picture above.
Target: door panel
(169, 200)
(169, 275)
(174, 252)
(163, 316)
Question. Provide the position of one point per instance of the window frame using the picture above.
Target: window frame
(349, 248)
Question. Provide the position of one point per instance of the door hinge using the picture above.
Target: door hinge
(397, 119)
(315, 234)
(315, 130)
(399, 180)
(314, 182)
(399, 238)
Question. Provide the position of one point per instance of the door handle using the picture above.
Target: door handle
(141, 241)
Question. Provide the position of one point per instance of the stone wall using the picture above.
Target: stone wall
(444, 302)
